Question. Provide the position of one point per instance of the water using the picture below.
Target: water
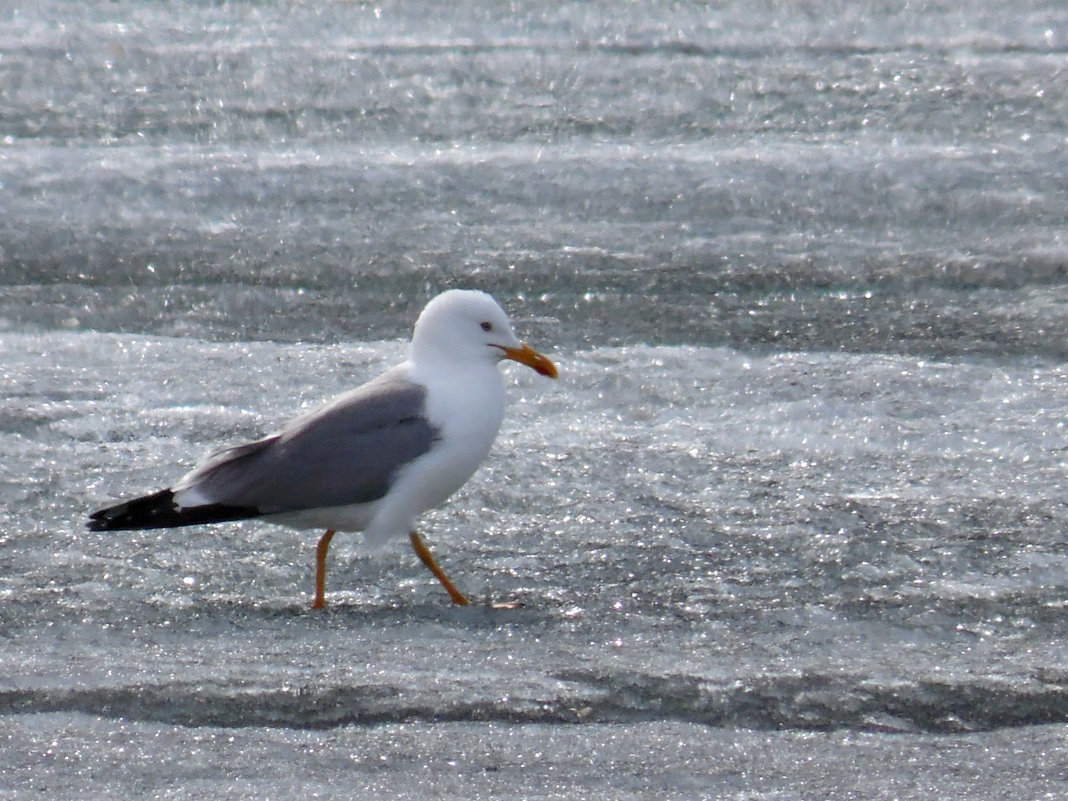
(791, 524)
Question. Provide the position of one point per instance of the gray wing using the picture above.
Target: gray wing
(343, 453)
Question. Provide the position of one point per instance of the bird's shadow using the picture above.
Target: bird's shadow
(477, 615)
(364, 613)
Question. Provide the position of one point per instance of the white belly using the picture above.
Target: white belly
(354, 517)
(468, 416)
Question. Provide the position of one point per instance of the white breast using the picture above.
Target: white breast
(467, 412)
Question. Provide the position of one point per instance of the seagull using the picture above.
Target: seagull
(374, 458)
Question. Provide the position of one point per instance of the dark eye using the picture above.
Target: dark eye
(487, 326)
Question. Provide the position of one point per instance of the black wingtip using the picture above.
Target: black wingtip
(148, 512)
(159, 510)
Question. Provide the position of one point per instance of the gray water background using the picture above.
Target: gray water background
(790, 526)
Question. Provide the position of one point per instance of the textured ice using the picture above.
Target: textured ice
(693, 532)
(792, 523)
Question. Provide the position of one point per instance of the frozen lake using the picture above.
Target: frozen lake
(792, 523)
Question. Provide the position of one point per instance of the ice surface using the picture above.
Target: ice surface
(864, 178)
(697, 536)
(61, 756)
(791, 524)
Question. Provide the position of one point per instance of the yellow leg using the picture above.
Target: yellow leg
(320, 569)
(428, 559)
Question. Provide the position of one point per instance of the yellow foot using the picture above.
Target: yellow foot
(320, 570)
(427, 559)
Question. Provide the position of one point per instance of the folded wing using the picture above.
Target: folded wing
(347, 452)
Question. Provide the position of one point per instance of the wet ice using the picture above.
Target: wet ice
(790, 525)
